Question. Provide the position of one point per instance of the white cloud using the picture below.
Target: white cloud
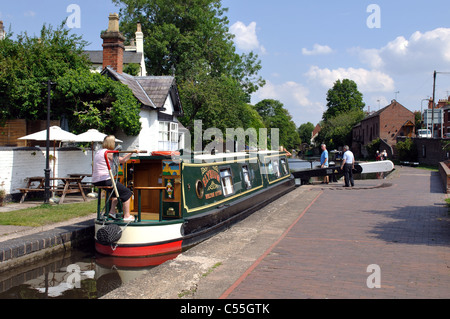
(422, 52)
(317, 50)
(294, 97)
(245, 37)
(29, 13)
(367, 80)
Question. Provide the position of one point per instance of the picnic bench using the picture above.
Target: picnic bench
(69, 185)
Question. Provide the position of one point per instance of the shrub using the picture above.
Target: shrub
(407, 150)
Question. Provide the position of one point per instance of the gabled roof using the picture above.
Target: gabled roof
(158, 87)
(132, 83)
(377, 113)
(151, 91)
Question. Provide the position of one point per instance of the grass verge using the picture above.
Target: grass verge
(47, 214)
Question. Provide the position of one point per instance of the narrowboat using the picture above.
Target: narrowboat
(179, 200)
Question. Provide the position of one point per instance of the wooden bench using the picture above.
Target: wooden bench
(70, 185)
(25, 191)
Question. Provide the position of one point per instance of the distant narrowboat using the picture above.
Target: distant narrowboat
(179, 202)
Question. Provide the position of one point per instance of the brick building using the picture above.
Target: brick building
(387, 124)
(441, 117)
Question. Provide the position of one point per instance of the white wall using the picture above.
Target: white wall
(18, 165)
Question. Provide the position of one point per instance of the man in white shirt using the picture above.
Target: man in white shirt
(348, 164)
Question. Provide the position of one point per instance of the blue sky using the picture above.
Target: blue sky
(305, 46)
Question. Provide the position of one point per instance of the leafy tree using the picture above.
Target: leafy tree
(132, 69)
(345, 109)
(407, 150)
(343, 97)
(27, 63)
(92, 100)
(337, 131)
(274, 115)
(223, 97)
(191, 40)
(305, 132)
(417, 120)
(86, 99)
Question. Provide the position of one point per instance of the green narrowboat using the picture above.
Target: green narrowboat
(180, 200)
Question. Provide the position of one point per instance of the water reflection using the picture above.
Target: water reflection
(78, 274)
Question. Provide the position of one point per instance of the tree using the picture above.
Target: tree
(274, 115)
(86, 99)
(92, 100)
(345, 109)
(305, 132)
(28, 62)
(191, 40)
(407, 150)
(337, 131)
(343, 97)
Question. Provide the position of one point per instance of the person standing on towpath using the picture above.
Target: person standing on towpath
(348, 164)
(324, 161)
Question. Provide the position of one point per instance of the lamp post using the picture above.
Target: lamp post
(47, 145)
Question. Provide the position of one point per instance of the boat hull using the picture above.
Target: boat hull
(151, 239)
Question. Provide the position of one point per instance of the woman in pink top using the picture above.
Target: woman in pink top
(100, 177)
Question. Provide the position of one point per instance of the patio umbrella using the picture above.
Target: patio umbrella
(92, 136)
(55, 134)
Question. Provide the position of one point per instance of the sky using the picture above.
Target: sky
(389, 48)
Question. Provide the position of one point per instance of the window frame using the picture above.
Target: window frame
(223, 178)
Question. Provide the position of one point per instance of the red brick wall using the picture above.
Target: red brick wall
(391, 121)
(113, 49)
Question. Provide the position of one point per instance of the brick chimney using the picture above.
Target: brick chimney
(113, 44)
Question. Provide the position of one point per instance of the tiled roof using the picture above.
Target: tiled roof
(158, 87)
(133, 84)
(151, 91)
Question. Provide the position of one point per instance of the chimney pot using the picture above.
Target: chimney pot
(113, 25)
(113, 46)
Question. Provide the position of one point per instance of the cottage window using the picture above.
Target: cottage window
(168, 136)
(227, 181)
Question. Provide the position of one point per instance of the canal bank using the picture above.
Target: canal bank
(319, 242)
(20, 246)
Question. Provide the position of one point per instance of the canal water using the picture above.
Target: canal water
(82, 273)
(75, 274)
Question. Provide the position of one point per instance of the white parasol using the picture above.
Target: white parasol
(92, 135)
(55, 134)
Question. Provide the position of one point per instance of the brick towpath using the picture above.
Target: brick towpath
(402, 226)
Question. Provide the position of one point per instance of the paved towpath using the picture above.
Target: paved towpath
(317, 242)
(396, 235)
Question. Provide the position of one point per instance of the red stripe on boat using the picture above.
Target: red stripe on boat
(139, 251)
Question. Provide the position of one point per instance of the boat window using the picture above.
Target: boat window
(227, 181)
(246, 173)
(269, 168)
(199, 189)
(276, 168)
(284, 166)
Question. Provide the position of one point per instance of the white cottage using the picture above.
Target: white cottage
(158, 95)
(161, 107)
